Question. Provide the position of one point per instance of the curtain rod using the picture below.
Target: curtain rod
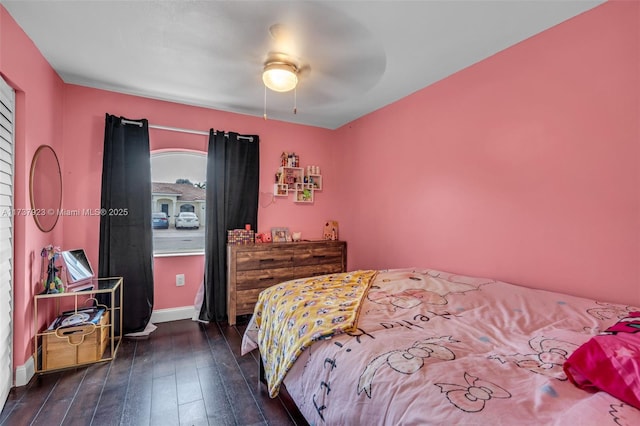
(179, 130)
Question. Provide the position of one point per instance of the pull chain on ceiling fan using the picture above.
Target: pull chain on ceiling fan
(295, 101)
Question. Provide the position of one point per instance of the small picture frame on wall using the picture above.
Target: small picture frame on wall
(280, 235)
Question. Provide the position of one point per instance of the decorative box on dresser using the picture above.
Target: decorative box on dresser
(253, 267)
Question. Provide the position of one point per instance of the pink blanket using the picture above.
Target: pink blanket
(436, 348)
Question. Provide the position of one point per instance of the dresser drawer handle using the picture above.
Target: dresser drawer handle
(267, 260)
(266, 278)
(319, 256)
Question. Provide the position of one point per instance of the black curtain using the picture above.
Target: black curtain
(126, 245)
(233, 172)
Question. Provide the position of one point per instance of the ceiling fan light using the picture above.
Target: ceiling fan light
(280, 76)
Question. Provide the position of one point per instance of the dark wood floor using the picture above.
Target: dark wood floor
(185, 373)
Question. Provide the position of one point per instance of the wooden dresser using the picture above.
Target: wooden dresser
(254, 267)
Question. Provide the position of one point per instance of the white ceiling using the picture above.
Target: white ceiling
(360, 55)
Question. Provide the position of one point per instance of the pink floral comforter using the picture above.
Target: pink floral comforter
(436, 348)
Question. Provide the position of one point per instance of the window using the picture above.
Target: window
(178, 186)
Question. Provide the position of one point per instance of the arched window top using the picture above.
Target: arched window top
(171, 166)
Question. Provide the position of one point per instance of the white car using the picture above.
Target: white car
(187, 220)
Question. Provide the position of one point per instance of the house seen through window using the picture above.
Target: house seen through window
(178, 195)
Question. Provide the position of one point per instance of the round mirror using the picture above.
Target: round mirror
(45, 188)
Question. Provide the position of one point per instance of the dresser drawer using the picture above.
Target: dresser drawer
(263, 259)
(320, 269)
(246, 301)
(318, 256)
(262, 278)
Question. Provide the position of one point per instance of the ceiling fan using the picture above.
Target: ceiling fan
(321, 55)
(282, 67)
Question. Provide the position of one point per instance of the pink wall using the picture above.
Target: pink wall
(38, 122)
(166, 294)
(523, 167)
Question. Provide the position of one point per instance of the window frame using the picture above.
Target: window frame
(171, 203)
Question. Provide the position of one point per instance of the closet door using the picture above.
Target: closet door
(7, 102)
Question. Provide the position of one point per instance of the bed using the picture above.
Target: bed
(429, 347)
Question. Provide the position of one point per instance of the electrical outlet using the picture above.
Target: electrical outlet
(180, 280)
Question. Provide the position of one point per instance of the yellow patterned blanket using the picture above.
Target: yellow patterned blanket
(292, 315)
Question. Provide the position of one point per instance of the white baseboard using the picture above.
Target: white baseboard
(25, 372)
(173, 314)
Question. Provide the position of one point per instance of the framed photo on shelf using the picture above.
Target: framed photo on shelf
(280, 235)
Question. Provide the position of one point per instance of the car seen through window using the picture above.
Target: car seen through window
(160, 221)
(187, 220)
